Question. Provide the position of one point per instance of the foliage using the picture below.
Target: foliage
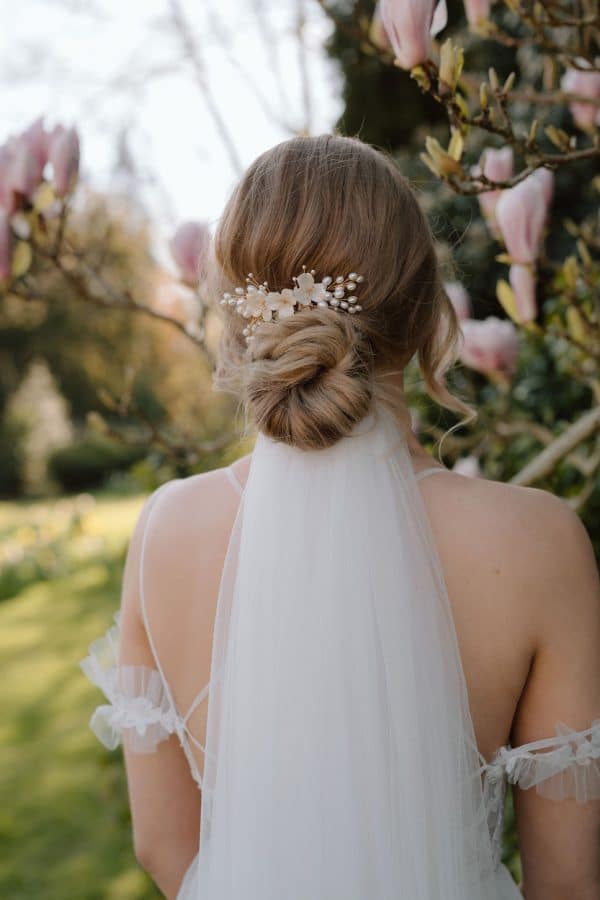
(88, 462)
(68, 304)
(64, 819)
(12, 436)
(40, 410)
(502, 82)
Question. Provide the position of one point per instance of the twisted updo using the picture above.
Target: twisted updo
(335, 205)
(309, 378)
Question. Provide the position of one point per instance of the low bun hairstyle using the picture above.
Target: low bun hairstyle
(309, 378)
(335, 205)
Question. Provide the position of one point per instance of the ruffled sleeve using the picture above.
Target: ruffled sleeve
(561, 767)
(138, 704)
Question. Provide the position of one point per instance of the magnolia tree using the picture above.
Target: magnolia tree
(39, 173)
(504, 148)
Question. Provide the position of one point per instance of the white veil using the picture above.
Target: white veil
(341, 761)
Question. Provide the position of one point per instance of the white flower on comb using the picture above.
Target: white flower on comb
(258, 304)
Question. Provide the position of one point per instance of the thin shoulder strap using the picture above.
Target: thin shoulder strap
(430, 471)
(151, 505)
(234, 480)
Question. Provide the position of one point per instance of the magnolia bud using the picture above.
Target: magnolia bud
(189, 247)
(490, 345)
(63, 153)
(410, 24)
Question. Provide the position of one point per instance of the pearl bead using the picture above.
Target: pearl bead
(339, 293)
(352, 299)
(334, 302)
(344, 305)
(360, 279)
(358, 308)
(352, 276)
(339, 280)
(351, 286)
(322, 303)
(327, 279)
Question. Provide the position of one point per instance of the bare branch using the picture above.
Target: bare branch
(278, 119)
(193, 55)
(302, 64)
(271, 46)
(546, 461)
(186, 450)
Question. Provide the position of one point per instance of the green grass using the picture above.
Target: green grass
(64, 823)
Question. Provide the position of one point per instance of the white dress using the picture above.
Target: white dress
(140, 704)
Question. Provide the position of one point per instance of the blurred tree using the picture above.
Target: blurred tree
(128, 368)
(40, 412)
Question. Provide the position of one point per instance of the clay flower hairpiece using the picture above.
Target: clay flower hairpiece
(258, 304)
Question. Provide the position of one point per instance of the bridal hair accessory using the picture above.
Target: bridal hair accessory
(258, 304)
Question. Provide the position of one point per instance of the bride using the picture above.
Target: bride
(334, 655)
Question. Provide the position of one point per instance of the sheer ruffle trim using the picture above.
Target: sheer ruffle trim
(561, 767)
(138, 705)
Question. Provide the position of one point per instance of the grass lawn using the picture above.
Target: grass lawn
(64, 826)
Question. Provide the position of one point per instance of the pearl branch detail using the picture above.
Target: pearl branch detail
(258, 304)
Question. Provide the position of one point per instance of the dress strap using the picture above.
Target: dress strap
(144, 611)
(234, 480)
(196, 702)
(432, 470)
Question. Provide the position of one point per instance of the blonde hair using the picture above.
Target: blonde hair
(335, 205)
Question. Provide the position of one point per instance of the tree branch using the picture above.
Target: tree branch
(192, 53)
(545, 462)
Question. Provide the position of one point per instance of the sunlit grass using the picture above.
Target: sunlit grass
(64, 825)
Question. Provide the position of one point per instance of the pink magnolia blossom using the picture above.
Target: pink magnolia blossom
(521, 214)
(477, 10)
(23, 173)
(459, 298)
(497, 165)
(469, 466)
(585, 84)
(37, 139)
(410, 25)
(522, 281)
(5, 246)
(63, 153)
(546, 179)
(189, 247)
(377, 32)
(8, 200)
(415, 420)
(490, 345)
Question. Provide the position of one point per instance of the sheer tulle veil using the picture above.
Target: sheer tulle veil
(341, 761)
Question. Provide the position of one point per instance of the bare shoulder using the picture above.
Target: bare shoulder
(196, 507)
(181, 523)
(528, 535)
